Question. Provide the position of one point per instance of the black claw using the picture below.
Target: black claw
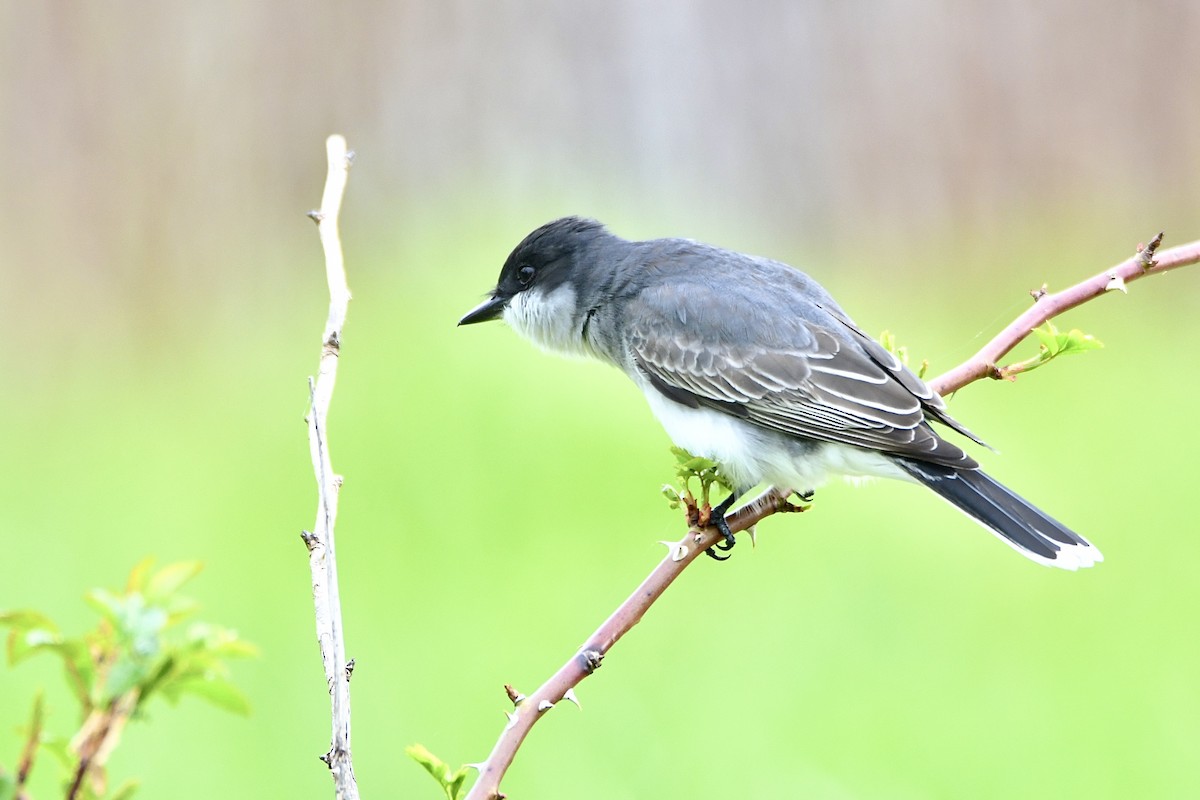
(717, 520)
(711, 553)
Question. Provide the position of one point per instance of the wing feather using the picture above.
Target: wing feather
(820, 378)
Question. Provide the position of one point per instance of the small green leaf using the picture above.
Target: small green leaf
(1047, 334)
(672, 495)
(106, 604)
(680, 454)
(1076, 341)
(145, 625)
(439, 769)
(451, 781)
(26, 618)
(159, 680)
(167, 580)
(136, 582)
(123, 675)
(30, 632)
(22, 645)
(888, 340)
(1054, 343)
(180, 608)
(81, 668)
(454, 789)
(60, 748)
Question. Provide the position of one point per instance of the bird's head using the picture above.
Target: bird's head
(544, 287)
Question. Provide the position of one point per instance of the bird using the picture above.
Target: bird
(751, 363)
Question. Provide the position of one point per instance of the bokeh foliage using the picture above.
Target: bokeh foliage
(163, 299)
(147, 644)
(499, 503)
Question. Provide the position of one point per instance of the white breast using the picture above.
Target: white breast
(751, 455)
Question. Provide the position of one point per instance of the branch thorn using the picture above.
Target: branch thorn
(315, 215)
(1116, 283)
(545, 705)
(570, 696)
(677, 550)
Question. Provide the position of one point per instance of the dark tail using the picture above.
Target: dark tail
(1023, 527)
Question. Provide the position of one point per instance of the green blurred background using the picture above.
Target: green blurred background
(163, 296)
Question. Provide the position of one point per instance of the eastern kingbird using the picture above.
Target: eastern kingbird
(752, 364)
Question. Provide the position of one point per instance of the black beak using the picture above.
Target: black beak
(491, 308)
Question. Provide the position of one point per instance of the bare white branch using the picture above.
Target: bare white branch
(322, 553)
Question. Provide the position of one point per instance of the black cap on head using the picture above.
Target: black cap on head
(542, 258)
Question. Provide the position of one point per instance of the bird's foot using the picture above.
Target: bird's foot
(723, 527)
(806, 499)
(716, 518)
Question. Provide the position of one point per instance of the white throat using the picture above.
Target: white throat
(548, 320)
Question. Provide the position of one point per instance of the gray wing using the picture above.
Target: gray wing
(807, 372)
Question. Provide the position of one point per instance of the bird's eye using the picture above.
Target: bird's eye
(525, 274)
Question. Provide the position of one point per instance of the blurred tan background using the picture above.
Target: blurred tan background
(930, 162)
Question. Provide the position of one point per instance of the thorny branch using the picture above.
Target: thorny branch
(1146, 261)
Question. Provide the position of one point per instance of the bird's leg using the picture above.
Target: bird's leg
(717, 520)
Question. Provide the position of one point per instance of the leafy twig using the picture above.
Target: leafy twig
(1054, 343)
(888, 340)
(1148, 260)
(140, 649)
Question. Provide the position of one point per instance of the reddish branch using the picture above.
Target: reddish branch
(983, 364)
(1147, 261)
(588, 659)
